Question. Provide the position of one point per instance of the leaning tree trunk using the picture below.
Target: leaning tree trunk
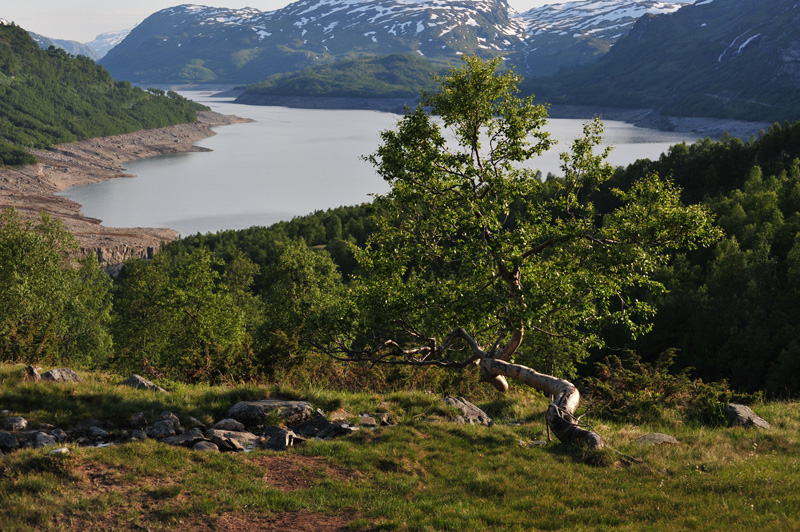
(561, 412)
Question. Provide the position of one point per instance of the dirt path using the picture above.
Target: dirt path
(31, 189)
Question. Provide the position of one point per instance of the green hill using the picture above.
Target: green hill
(391, 76)
(49, 97)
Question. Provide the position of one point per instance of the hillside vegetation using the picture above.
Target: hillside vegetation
(49, 97)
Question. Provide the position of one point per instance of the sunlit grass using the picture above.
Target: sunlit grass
(422, 474)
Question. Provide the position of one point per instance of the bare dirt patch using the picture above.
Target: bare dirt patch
(294, 472)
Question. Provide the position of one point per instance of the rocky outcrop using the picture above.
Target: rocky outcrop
(61, 375)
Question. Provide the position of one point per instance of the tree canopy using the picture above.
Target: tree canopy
(477, 260)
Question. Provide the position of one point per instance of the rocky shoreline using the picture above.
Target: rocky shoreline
(646, 118)
(31, 189)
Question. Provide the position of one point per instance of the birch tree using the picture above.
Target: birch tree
(477, 261)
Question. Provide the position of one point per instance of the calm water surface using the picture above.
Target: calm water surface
(289, 162)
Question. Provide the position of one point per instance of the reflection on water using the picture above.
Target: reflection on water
(288, 163)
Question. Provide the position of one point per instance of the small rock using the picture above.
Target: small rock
(60, 435)
(16, 423)
(656, 438)
(138, 435)
(61, 375)
(187, 439)
(254, 413)
(46, 426)
(44, 440)
(205, 446)
(470, 414)
(135, 381)
(228, 424)
(161, 429)
(8, 442)
(367, 421)
(743, 416)
(282, 441)
(61, 451)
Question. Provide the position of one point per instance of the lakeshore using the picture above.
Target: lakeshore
(31, 189)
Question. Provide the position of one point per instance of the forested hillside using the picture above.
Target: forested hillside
(391, 76)
(49, 97)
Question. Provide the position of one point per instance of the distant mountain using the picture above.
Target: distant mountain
(73, 47)
(723, 58)
(192, 43)
(106, 41)
(563, 35)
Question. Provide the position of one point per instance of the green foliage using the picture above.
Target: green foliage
(732, 311)
(49, 97)
(178, 319)
(56, 308)
(391, 76)
(467, 237)
(628, 390)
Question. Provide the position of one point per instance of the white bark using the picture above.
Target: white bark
(561, 412)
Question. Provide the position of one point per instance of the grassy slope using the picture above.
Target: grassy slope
(430, 475)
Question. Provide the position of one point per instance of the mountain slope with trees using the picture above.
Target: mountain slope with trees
(49, 97)
(721, 58)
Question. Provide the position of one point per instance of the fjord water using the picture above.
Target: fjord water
(289, 162)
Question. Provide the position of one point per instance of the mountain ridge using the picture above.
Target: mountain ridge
(199, 44)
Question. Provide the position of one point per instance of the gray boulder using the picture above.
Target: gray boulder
(742, 416)
(61, 375)
(656, 438)
(255, 413)
(16, 423)
(228, 424)
(44, 440)
(8, 442)
(161, 429)
(468, 412)
(135, 381)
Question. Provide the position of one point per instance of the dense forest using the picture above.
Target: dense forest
(240, 304)
(49, 97)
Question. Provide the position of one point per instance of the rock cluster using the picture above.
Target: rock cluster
(268, 424)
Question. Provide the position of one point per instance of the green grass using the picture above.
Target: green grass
(423, 474)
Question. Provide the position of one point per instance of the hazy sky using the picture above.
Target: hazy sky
(83, 20)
